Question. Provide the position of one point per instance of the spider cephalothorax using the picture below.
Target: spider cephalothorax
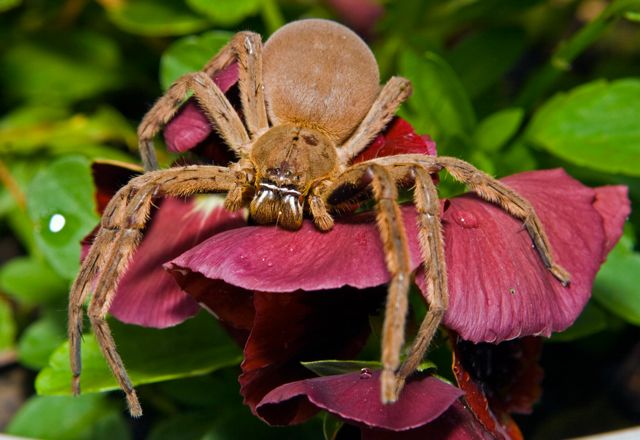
(311, 102)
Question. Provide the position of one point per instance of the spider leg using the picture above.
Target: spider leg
(246, 48)
(494, 191)
(396, 250)
(394, 93)
(488, 188)
(121, 230)
(431, 241)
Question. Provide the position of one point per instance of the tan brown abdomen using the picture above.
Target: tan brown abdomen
(319, 74)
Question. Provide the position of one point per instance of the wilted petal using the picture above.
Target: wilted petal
(147, 295)
(190, 126)
(457, 423)
(612, 202)
(499, 288)
(355, 397)
(275, 260)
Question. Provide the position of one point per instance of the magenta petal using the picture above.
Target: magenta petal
(190, 126)
(147, 295)
(356, 398)
(268, 258)
(318, 325)
(499, 288)
(612, 202)
(457, 423)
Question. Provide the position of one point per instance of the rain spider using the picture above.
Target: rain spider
(311, 100)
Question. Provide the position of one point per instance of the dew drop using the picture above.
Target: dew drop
(56, 223)
(60, 229)
(466, 219)
(365, 373)
(269, 264)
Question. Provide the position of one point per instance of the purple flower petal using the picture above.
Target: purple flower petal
(190, 126)
(149, 296)
(499, 288)
(275, 260)
(457, 423)
(356, 398)
(612, 202)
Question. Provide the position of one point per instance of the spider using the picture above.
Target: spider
(311, 101)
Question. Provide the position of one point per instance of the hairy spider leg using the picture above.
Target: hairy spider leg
(397, 258)
(431, 241)
(121, 230)
(392, 95)
(246, 49)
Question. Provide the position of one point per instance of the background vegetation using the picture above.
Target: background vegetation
(507, 85)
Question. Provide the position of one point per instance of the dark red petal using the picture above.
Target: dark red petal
(268, 258)
(190, 126)
(149, 296)
(499, 379)
(499, 288)
(290, 328)
(457, 423)
(398, 138)
(356, 398)
(612, 202)
(109, 176)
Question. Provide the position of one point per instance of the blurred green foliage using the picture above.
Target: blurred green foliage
(507, 85)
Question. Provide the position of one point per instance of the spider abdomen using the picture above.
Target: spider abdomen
(319, 73)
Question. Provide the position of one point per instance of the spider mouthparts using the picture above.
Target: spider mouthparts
(279, 205)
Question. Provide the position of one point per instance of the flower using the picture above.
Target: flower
(289, 297)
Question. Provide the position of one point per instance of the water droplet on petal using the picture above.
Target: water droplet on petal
(465, 219)
(269, 264)
(365, 373)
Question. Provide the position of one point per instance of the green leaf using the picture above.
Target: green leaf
(495, 130)
(592, 320)
(5, 5)
(616, 285)
(330, 426)
(439, 104)
(190, 54)
(228, 423)
(483, 58)
(39, 340)
(594, 125)
(153, 18)
(63, 68)
(35, 127)
(60, 202)
(226, 12)
(197, 346)
(333, 367)
(7, 327)
(32, 281)
(89, 417)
